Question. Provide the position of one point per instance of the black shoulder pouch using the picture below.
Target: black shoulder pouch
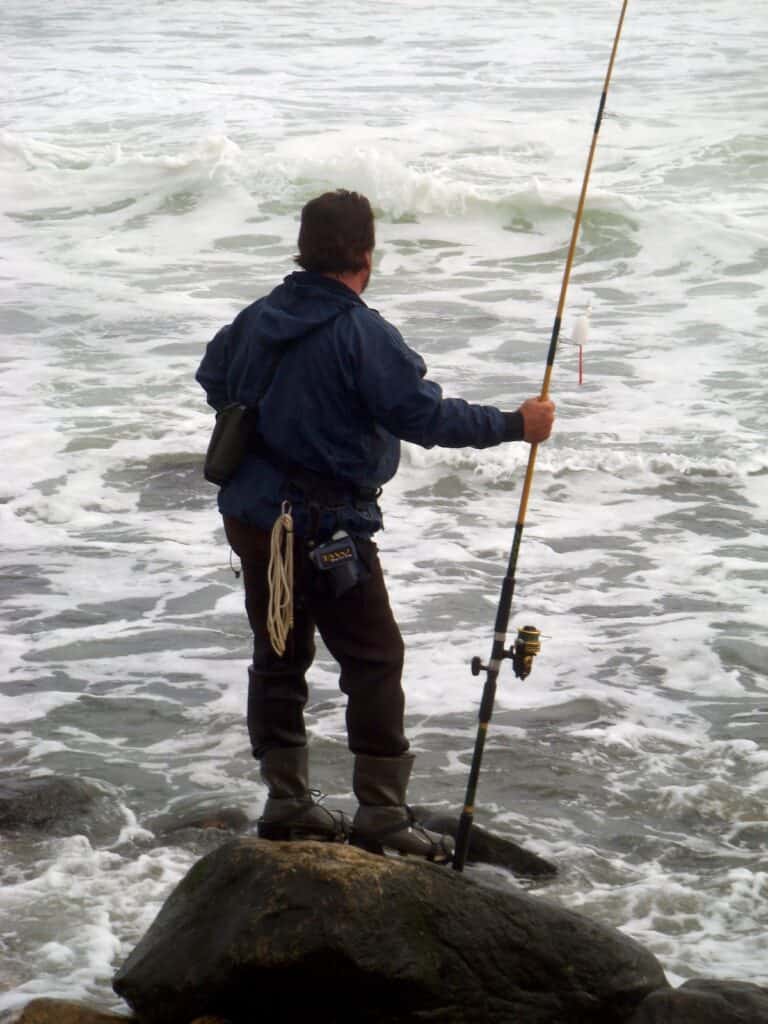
(235, 431)
(228, 444)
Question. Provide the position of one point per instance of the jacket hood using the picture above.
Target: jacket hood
(301, 304)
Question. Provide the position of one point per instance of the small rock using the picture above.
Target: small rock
(61, 1011)
(43, 803)
(224, 819)
(487, 848)
(705, 1001)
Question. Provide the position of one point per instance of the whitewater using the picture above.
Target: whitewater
(153, 161)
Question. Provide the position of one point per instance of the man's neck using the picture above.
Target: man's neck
(356, 280)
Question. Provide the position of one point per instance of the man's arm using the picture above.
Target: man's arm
(395, 389)
(212, 372)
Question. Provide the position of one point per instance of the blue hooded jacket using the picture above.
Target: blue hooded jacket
(344, 389)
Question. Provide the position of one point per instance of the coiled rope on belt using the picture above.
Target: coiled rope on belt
(280, 579)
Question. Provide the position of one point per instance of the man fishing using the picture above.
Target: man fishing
(332, 390)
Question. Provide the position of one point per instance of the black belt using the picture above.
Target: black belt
(325, 491)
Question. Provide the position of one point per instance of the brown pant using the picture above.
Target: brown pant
(358, 629)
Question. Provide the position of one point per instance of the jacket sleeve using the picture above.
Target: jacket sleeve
(398, 395)
(212, 372)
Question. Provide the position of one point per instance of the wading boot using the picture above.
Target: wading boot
(383, 818)
(291, 810)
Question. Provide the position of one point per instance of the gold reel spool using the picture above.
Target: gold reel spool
(527, 646)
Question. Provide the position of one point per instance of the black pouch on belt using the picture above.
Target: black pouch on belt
(228, 444)
(337, 565)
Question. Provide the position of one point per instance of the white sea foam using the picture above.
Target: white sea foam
(82, 893)
(151, 191)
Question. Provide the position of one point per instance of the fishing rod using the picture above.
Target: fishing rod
(527, 644)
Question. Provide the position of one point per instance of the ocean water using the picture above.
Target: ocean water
(153, 159)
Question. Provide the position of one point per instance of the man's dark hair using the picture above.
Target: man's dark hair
(336, 232)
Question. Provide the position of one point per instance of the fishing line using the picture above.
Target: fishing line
(527, 643)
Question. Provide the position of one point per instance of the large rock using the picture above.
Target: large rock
(705, 1001)
(332, 934)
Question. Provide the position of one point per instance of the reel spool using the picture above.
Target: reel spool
(527, 646)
